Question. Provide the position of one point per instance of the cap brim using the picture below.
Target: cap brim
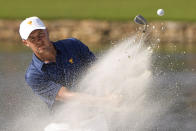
(30, 31)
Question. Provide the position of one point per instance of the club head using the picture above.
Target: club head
(140, 20)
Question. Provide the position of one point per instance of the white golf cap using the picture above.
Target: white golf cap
(30, 24)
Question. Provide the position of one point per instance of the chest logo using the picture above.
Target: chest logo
(71, 61)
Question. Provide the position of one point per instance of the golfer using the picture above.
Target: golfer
(56, 66)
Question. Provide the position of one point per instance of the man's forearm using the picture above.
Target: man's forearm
(65, 95)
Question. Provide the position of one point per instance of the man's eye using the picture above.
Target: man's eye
(32, 39)
(41, 34)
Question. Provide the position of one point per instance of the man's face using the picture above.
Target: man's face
(39, 42)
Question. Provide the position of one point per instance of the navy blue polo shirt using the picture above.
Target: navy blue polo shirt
(72, 59)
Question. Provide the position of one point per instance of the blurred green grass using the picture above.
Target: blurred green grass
(120, 10)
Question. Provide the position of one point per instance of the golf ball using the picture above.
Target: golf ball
(160, 12)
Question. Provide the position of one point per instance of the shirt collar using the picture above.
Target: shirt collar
(37, 62)
(56, 47)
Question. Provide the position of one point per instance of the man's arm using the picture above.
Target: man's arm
(65, 95)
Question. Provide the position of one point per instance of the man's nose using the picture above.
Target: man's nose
(39, 38)
(40, 41)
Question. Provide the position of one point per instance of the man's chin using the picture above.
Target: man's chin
(47, 56)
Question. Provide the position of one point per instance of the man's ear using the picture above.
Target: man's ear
(25, 43)
(47, 32)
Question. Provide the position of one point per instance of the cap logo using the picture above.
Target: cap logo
(29, 22)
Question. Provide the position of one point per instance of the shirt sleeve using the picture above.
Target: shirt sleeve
(44, 88)
(85, 54)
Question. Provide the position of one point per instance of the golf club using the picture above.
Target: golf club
(141, 20)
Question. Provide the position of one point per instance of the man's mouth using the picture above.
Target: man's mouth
(41, 50)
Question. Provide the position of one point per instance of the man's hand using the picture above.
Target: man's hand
(64, 94)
